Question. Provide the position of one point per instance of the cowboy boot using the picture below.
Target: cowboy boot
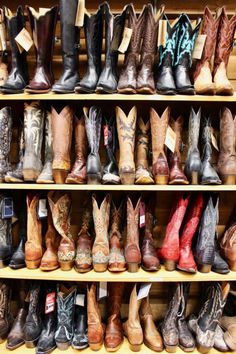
(78, 172)
(15, 338)
(5, 140)
(95, 327)
(143, 175)
(228, 323)
(46, 174)
(60, 205)
(117, 259)
(193, 162)
(219, 264)
(43, 26)
(16, 175)
(93, 27)
(80, 337)
(6, 318)
(110, 171)
(69, 47)
(33, 246)
(225, 40)
(191, 221)
(202, 76)
(93, 120)
(227, 157)
(128, 78)
(18, 77)
(6, 247)
(170, 249)
(33, 133)
(100, 250)
(126, 135)
(208, 173)
(159, 124)
(132, 327)
(114, 331)
(228, 242)
(132, 250)
(61, 143)
(176, 174)
(114, 26)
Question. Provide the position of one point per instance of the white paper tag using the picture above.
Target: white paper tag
(80, 300)
(214, 140)
(161, 38)
(170, 140)
(102, 290)
(24, 40)
(127, 34)
(42, 209)
(199, 46)
(79, 20)
(144, 290)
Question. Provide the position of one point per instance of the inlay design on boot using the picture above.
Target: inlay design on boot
(5, 140)
(6, 318)
(16, 175)
(6, 247)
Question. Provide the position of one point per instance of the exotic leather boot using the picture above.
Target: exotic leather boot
(229, 325)
(126, 134)
(65, 316)
(100, 250)
(18, 77)
(16, 336)
(16, 175)
(69, 47)
(93, 121)
(46, 174)
(95, 327)
(202, 76)
(132, 327)
(227, 157)
(33, 133)
(114, 26)
(208, 173)
(60, 205)
(176, 174)
(5, 236)
(80, 337)
(225, 39)
(116, 260)
(132, 250)
(33, 246)
(190, 224)
(78, 174)
(193, 162)
(219, 264)
(143, 175)
(159, 124)
(6, 318)
(128, 78)
(152, 338)
(62, 126)
(114, 331)
(5, 140)
(43, 26)
(170, 249)
(93, 26)
(228, 242)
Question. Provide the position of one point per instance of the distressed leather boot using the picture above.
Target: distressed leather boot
(60, 205)
(16, 175)
(132, 327)
(100, 250)
(126, 134)
(176, 174)
(78, 173)
(18, 77)
(62, 126)
(43, 26)
(170, 249)
(128, 77)
(143, 175)
(132, 250)
(80, 337)
(219, 264)
(159, 124)
(152, 338)
(225, 40)
(33, 246)
(190, 224)
(227, 157)
(5, 140)
(69, 47)
(93, 27)
(93, 121)
(117, 260)
(193, 162)
(95, 326)
(33, 133)
(6, 318)
(15, 338)
(6, 246)
(229, 325)
(114, 331)
(228, 242)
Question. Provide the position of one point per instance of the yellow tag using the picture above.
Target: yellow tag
(43, 10)
(24, 40)
(79, 20)
(199, 46)
(170, 139)
(127, 34)
(161, 40)
(214, 140)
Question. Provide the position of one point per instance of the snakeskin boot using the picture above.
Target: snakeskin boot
(6, 248)
(5, 140)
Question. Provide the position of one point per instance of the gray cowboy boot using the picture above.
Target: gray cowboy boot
(16, 175)
(5, 237)
(6, 318)
(5, 140)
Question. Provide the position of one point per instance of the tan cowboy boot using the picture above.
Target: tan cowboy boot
(143, 175)
(126, 134)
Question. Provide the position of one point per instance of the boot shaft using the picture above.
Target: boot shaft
(80, 139)
(5, 300)
(142, 144)
(116, 292)
(132, 222)
(5, 132)
(227, 132)
(177, 126)
(116, 216)
(137, 26)
(65, 312)
(101, 219)
(93, 120)
(206, 140)
(134, 306)
(33, 130)
(34, 225)
(194, 128)
(110, 139)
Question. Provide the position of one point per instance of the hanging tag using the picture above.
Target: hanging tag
(50, 303)
(214, 140)
(170, 139)
(80, 300)
(102, 290)
(79, 20)
(3, 41)
(144, 290)
(127, 34)
(42, 209)
(142, 215)
(24, 40)
(106, 134)
(7, 208)
(161, 39)
(199, 46)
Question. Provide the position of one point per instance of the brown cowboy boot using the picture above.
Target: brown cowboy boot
(114, 330)
(6, 318)
(143, 175)
(225, 40)
(176, 174)
(159, 126)
(78, 172)
(33, 246)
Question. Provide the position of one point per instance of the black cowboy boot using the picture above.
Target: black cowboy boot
(5, 236)
(16, 336)
(80, 338)
(5, 140)
(16, 175)
(219, 265)
(6, 318)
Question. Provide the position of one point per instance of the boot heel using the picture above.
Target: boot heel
(95, 346)
(135, 347)
(169, 265)
(59, 176)
(100, 267)
(194, 178)
(230, 179)
(66, 265)
(93, 179)
(4, 263)
(30, 175)
(133, 267)
(127, 177)
(232, 266)
(31, 343)
(202, 349)
(205, 268)
(33, 264)
(62, 346)
(171, 348)
(161, 179)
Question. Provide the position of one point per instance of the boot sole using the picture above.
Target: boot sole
(18, 266)
(127, 90)
(151, 269)
(59, 176)
(171, 348)
(146, 90)
(135, 347)
(15, 346)
(101, 90)
(133, 267)
(30, 175)
(220, 271)
(153, 347)
(66, 265)
(31, 343)
(111, 350)
(79, 347)
(95, 346)
(82, 270)
(75, 181)
(166, 92)
(33, 264)
(187, 270)
(46, 351)
(48, 269)
(102, 267)
(187, 350)
(228, 340)
(29, 90)
(44, 181)
(116, 270)
(62, 346)
(202, 349)
(144, 180)
(4, 262)
(9, 179)
(179, 181)
(83, 90)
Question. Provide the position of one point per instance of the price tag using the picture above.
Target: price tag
(102, 290)
(80, 300)
(214, 140)
(144, 290)
(142, 215)
(50, 303)
(106, 134)
(127, 34)
(79, 20)
(170, 141)
(161, 39)
(7, 208)
(42, 209)
(24, 40)
(199, 46)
